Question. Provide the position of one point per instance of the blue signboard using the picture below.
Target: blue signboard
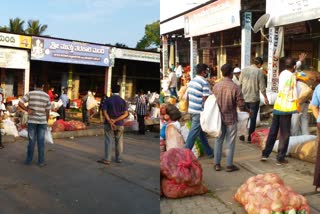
(55, 50)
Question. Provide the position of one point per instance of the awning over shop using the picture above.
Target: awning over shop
(217, 16)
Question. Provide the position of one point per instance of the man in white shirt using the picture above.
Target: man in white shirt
(178, 70)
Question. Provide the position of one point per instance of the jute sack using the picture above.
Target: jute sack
(306, 151)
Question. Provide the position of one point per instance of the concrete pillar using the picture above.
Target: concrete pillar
(273, 61)
(70, 81)
(171, 54)
(123, 82)
(194, 57)
(246, 39)
(176, 51)
(221, 55)
(76, 86)
(165, 63)
(107, 81)
(26, 80)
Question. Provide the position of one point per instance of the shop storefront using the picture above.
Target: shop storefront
(134, 70)
(217, 41)
(292, 30)
(78, 66)
(14, 64)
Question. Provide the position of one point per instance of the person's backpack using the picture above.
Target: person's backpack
(210, 118)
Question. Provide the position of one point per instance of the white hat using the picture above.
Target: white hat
(236, 70)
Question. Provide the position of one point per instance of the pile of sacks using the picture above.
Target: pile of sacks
(267, 194)
(73, 125)
(303, 147)
(181, 174)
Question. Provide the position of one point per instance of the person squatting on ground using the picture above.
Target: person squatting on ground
(281, 116)
(197, 93)
(170, 135)
(141, 110)
(251, 83)
(115, 110)
(38, 115)
(229, 97)
(315, 105)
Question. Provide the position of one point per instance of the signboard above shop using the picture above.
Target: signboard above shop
(54, 50)
(293, 11)
(217, 16)
(13, 40)
(13, 58)
(135, 55)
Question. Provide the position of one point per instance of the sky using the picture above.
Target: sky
(96, 21)
(169, 8)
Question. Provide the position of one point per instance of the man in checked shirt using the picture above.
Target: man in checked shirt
(229, 97)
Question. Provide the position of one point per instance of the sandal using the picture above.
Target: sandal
(232, 168)
(217, 167)
(103, 161)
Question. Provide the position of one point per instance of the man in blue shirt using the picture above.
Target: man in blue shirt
(115, 110)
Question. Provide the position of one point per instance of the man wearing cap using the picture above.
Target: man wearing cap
(251, 83)
(236, 75)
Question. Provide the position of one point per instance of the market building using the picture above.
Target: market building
(14, 63)
(292, 30)
(79, 66)
(221, 31)
(214, 32)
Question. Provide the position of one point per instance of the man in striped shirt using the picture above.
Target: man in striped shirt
(141, 110)
(198, 91)
(38, 114)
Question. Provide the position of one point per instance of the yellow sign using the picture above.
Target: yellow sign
(14, 40)
(25, 42)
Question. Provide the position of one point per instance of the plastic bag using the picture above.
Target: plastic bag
(173, 190)
(48, 136)
(10, 128)
(242, 123)
(135, 126)
(210, 117)
(91, 102)
(180, 165)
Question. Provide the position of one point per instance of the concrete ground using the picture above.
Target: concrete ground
(73, 182)
(223, 185)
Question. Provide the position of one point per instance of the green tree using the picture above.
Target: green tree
(16, 25)
(152, 36)
(35, 28)
(120, 45)
(4, 28)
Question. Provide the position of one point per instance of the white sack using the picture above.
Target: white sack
(294, 141)
(210, 118)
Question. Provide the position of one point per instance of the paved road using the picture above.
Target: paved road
(73, 182)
